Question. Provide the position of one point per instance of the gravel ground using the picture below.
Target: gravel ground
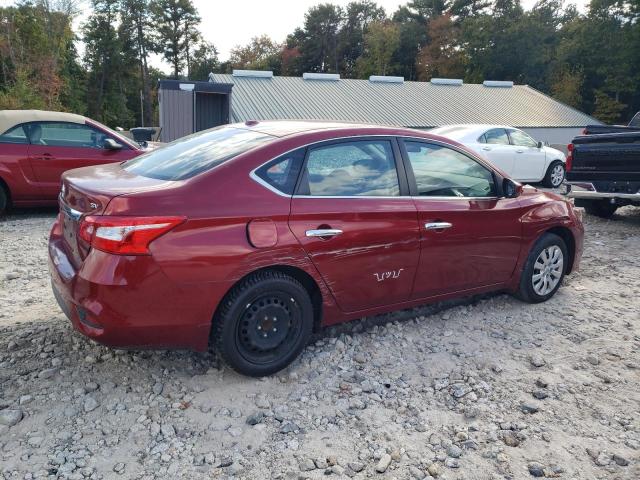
(485, 389)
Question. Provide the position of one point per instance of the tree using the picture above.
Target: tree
(380, 43)
(111, 65)
(441, 56)
(204, 61)
(412, 37)
(136, 19)
(428, 9)
(318, 41)
(36, 53)
(359, 15)
(607, 109)
(176, 22)
(566, 86)
(462, 9)
(261, 53)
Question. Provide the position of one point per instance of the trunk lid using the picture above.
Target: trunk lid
(88, 191)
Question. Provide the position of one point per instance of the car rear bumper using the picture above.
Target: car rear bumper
(128, 302)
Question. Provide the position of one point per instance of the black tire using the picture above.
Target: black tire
(527, 291)
(245, 328)
(549, 180)
(599, 208)
(4, 200)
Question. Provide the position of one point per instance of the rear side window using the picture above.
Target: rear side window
(197, 153)
(497, 136)
(350, 169)
(282, 173)
(14, 135)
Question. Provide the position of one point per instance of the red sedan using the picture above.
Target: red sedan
(36, 147)
(250, 236)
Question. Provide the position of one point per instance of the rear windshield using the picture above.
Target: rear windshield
(194, 154)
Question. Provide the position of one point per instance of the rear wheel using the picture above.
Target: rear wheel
(263, 323)
(555, 175)
(544, 269)
(599, 208)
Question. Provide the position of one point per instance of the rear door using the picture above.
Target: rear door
(495, 147)
(58, 146)
(530, 161)
(353, 216)
(469, 237)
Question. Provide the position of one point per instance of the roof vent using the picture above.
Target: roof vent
(332, 77)
(385, 79)
(497, 83)
(253, 73)
(446, 81)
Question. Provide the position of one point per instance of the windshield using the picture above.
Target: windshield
(197, 153)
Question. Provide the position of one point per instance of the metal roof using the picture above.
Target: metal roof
(408, 104)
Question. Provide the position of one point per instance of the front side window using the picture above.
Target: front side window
(15, 135)
(496, 136)
(521, 139)
(282, 173)
(351, 169)
(442, 172)
(62, 134)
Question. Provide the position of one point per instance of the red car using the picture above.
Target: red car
(36, 147)
(251, 236)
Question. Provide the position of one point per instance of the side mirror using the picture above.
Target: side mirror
(111, 144)
(540, 144)
(511, 189)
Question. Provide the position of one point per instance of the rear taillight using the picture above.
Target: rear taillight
(569, 162)
(125, 235)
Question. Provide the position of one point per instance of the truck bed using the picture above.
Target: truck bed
(611, 157)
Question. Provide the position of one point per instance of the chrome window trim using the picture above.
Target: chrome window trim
(270, 187)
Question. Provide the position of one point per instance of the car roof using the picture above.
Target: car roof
(11, 118)
(466, 131)
(284, 128)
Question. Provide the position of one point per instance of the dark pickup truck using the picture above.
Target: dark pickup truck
(634, 125)
(603, 171)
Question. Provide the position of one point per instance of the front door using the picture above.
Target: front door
(495, 147)
(529, 164)
(354, 218)
(469, 237)
(58, 146)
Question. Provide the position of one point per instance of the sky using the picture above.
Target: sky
(230, 23)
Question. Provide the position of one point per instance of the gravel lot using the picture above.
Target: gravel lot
(484, 389)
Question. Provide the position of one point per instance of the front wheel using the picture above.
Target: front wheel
(544, 269)
(555, 175)
(263, 323)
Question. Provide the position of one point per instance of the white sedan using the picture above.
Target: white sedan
(512, 151)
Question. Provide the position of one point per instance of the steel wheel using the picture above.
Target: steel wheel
(557, 175)
(547, 270)
(269, 326)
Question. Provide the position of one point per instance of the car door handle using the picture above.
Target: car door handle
(437, 225)
(519, 151)
(488, 149)
(323, 232)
